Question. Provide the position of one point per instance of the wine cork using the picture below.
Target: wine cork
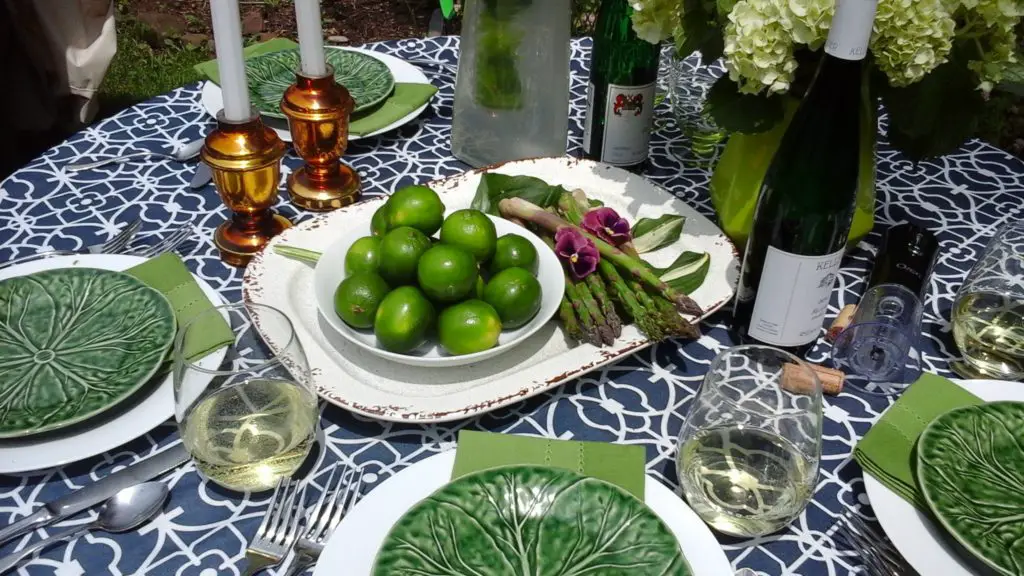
(842, 320)
(796, 380)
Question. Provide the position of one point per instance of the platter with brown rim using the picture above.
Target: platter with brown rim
(358, 381)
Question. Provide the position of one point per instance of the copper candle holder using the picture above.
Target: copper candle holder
(245, 158)
(318, 110)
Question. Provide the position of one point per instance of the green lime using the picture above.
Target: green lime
(363, 256)
(416, 206)
(447, 273)
(515, 294)
(400, 252)
(472, 230)
(357, 298)
(478, 290)
(468, 327)
(403, 319)
(514, 250)
(379, 222)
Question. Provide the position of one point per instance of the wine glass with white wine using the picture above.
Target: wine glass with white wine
(751, 443)
(251, 421)
(988, 314)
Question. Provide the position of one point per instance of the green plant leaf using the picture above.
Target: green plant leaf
(936, 115)
(687, 272)
(746, 113)
(649, 234)
(701, 32)
(594, 203)
(447, 8)
(529, 520)
(494, 188)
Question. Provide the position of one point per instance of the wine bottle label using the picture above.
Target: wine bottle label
(793, 297)
(628, 113)
(588, 125)
(850, 31)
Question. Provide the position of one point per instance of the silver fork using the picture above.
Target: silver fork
(115, 245)
(170, 242)
(325, 516)
(278, 530)
(880, 557)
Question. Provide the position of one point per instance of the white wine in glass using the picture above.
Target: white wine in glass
(988, 315)
(252, 421)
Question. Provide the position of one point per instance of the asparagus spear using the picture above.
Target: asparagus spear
(569, 320)
(585, 329)
(600, 292)
(606, 332)
(527, 211)
(680, 327)
(583, 205)
(644, 320)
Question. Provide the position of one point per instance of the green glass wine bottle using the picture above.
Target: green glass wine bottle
(808, 197)
(620, 96)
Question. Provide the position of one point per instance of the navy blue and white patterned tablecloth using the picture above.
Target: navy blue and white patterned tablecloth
(642, 400)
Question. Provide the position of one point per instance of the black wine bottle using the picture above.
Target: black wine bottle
(808, 197)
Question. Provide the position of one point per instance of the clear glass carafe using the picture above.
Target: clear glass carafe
(512, 89)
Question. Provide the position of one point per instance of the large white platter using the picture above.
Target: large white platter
(213, 99)
(145, 410)
(353, 546)
(350, 377)
(922, 541)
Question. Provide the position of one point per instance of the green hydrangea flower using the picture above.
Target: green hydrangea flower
(911, 38)
(759, 46)
(656, 20)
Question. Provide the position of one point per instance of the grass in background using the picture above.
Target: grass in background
(138, 72)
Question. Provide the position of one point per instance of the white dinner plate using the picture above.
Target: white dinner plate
(213, 100)
(353, 547)
(921, 541)
(144, 411)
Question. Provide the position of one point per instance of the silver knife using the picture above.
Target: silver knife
(201, 177)
(97, 492)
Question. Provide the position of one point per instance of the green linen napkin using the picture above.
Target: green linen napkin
(617, 464)
(406, 98)
(168, 274)
(887, 451)
(210, 70)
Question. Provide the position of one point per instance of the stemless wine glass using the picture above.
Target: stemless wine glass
(251, 420)
(988, 315)
(750, 446)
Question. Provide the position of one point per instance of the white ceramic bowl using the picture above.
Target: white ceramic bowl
(330, 271)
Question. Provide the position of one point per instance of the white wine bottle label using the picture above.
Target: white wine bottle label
(588, 125)
(850, 31)
(627, 124)
(793, 297)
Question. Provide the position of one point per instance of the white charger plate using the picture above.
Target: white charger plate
(922, 542)
(350, 377)
(329, 274)
(213, 99)
(353, 546)
(150, 407)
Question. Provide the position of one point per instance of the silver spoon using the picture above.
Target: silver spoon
(186, 152)
(127, 509)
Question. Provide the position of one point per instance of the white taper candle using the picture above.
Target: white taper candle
(227, 37)
(311, 37)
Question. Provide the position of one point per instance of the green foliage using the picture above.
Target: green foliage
(494, 188)
(138, 72)
(737, 112)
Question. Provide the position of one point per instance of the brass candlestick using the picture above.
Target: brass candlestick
(245, 158)
(318, 112)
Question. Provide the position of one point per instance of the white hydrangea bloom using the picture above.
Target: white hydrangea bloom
(911, 38)
(655, 20)
(759, 46)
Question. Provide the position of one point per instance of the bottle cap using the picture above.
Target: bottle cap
(906, 258)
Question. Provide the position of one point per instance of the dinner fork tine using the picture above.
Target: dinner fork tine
(878, 555)
(334, 503)
(352, 489)
(120, 241)
(172, 241)
(279, 529)
(317, 519)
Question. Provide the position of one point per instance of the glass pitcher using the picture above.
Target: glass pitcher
(512, 88)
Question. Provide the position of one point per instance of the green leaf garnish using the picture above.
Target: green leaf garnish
(649, 234)
(494, 188)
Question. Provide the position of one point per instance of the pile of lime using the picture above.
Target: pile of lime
(463, 286)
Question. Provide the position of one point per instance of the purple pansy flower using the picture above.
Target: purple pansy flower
(606, 224)
(577, 251)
